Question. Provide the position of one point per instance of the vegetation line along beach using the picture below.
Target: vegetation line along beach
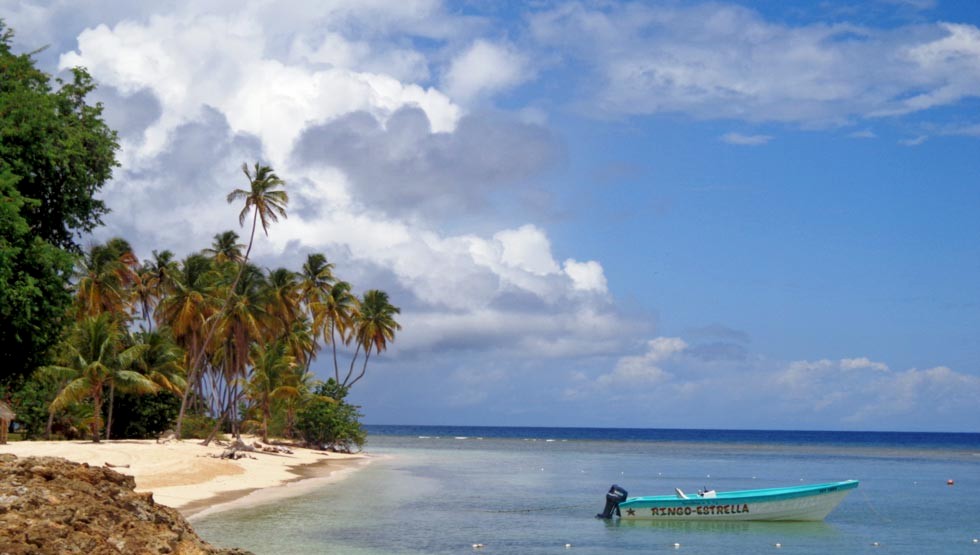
(192, 375)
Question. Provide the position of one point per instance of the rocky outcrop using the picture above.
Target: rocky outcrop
(50, 505)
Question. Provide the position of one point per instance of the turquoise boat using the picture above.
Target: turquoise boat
(796, 503)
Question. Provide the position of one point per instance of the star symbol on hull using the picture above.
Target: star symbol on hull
(630, 512)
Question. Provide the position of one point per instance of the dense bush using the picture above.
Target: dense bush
(197, 427)
(327, 421)
(31, 405)
(143, 416)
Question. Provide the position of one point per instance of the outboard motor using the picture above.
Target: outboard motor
(614, 497)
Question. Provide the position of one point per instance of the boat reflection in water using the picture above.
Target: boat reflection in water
(783, 530)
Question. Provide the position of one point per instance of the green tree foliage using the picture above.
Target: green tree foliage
(95, 360)
(31, 402)
(328, 421)
(144, 416)
(374, 327)
(56, 153)
(57, 144)
(33, 287)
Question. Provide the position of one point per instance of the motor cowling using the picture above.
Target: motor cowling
(614, 497)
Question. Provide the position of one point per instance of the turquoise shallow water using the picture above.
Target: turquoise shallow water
(443, 490)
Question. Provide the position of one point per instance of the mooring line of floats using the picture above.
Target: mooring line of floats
(535, 509)
(867, 501)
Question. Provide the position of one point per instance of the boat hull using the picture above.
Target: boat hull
(804, 503)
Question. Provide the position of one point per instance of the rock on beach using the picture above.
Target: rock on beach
(49, 505)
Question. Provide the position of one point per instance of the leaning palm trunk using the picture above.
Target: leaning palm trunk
(266, 415)
(290, 418)
(112, 397)
(225, 411)
(217, 426)
(96, 416)
(367, 356)
(49, 429)
(192, 379)
(333, 342)
(50, 426)
(350, 371)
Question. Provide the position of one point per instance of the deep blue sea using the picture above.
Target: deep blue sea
(443, 489)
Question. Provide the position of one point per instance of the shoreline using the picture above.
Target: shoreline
(186, 476)
(308, 478)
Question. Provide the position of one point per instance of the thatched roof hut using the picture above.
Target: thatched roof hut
(6, 416)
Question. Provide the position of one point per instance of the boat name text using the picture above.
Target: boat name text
(700, 510)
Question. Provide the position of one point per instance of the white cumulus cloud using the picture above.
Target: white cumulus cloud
(229, 86)
(193, 61)
(485, 68)
(645, 369)
(586, 276)
(745, 140)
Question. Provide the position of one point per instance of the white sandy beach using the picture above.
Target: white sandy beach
(185, 476)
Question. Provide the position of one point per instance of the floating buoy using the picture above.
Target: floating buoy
(777, 545)
(950, 482)
(568, 546)
(875, 544)
(478, 546)
(976, 540)
(676, 545)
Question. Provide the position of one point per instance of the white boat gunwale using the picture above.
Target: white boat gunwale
(744, 496)
(797, 503)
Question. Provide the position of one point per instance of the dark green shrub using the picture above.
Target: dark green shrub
(144, 416)
(196, 427)
(330, 425)
(30, 403)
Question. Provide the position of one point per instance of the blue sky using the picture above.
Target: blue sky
(654, 214)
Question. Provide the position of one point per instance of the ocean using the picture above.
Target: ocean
(445, 489)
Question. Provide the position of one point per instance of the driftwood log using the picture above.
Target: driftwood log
(237, 450)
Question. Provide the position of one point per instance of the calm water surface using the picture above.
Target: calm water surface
(534, 490)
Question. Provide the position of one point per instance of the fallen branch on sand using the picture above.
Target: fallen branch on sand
(238, 450)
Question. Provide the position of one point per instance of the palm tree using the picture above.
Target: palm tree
(105, 275)
(245, 320)
(301, 344)
(226, 248)
(162, 360)
(316, 276)
(268, 203)
(300, 340)
(273, 377)
(186, 311)
(315, 280)
(155, 280)
(284, 299)
(95, 357)
(334, 316)
(374, 327)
